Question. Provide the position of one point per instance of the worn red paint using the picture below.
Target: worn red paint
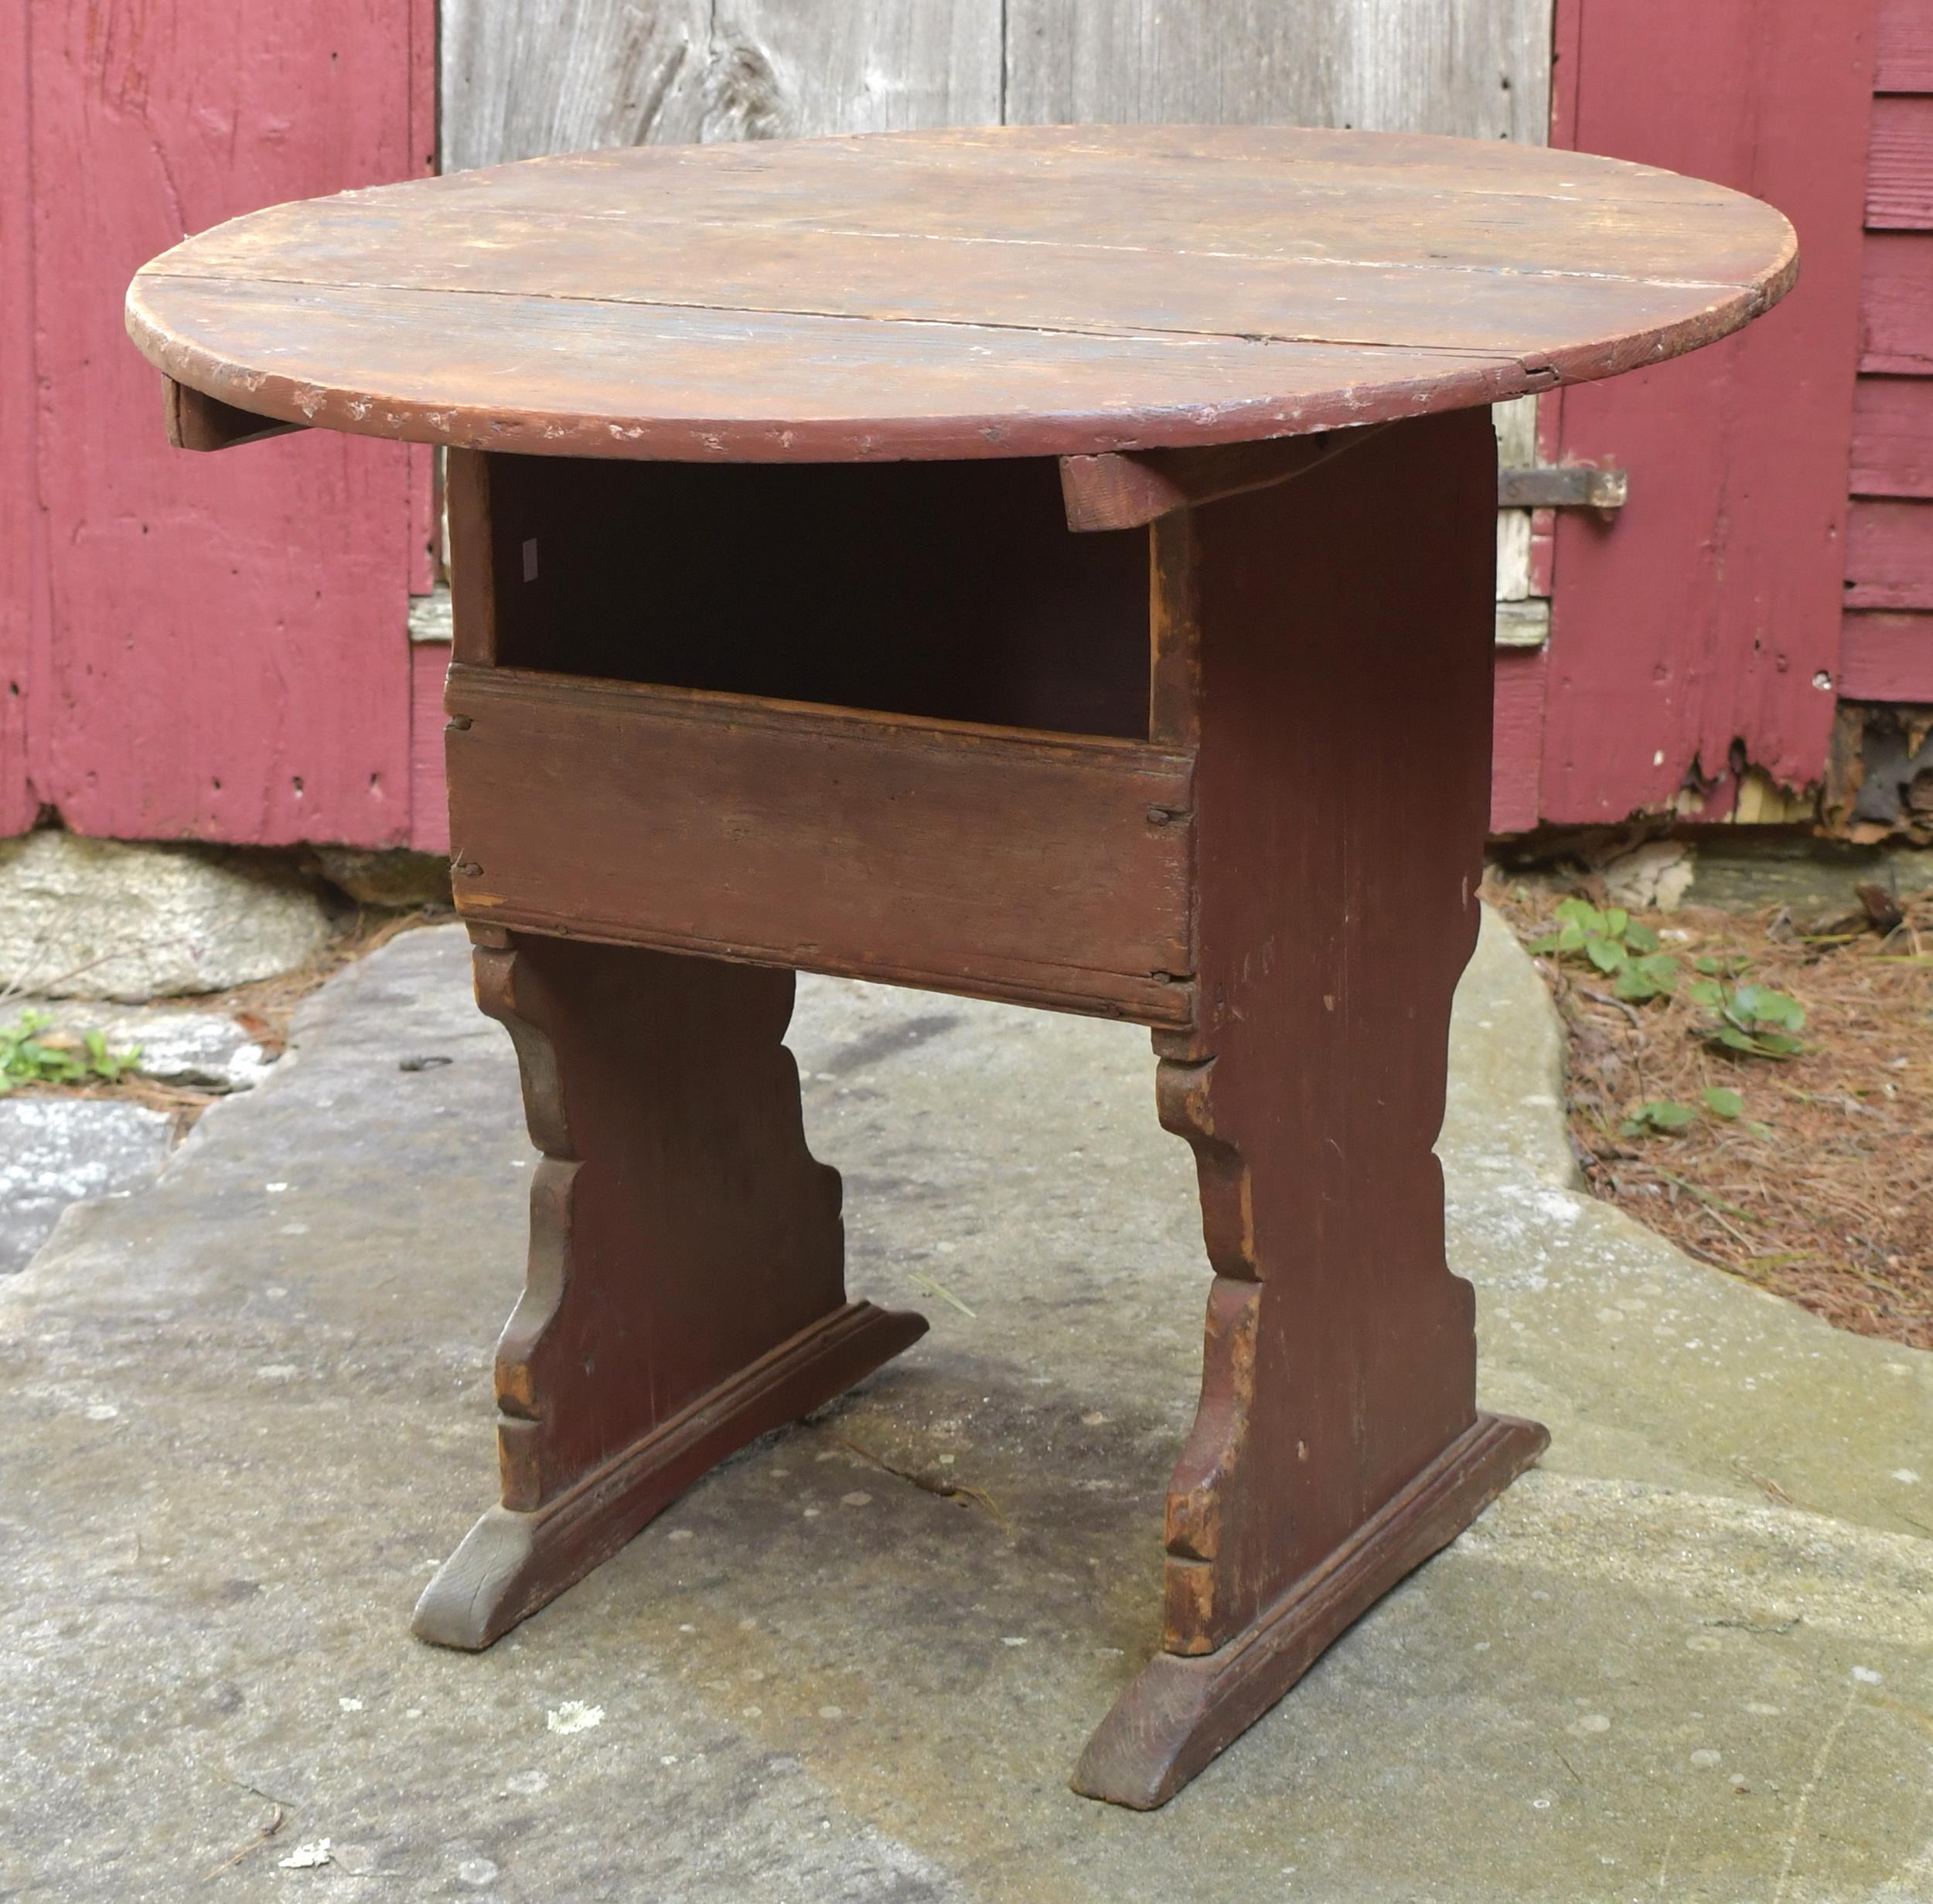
(1887, 657)
(1905, 61)
(1708, 614)
(1889, 555)
(18, 546)
(216, 646)
(1517, 735)
(429, 801)
(1899, 185)
(1897, 304)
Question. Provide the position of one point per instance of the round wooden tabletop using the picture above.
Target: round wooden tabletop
(1023, 291)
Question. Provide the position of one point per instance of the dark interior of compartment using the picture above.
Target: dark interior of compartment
(950, 590)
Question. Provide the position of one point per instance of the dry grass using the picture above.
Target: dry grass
(1822, 1191)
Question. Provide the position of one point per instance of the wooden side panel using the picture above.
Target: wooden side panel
(1905, 47)
(22, 522)
(1887, 657)
(1893, 437)
(1478, 67)
(1050, 869)
(1896, 309)
(429, 799)
(1889, 555)
(521, 81)
(226, 634)
(1705, 623)
(1346, 634)
(1899, 191)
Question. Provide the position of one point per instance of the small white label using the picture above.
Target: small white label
(530, 560)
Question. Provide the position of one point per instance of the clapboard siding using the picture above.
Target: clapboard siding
(1887, 657)
(1899, 179)
(1893, 437)
(1478, 67)
(519, 81)
(1889, 555)
(1905, 46)
(1897, 304)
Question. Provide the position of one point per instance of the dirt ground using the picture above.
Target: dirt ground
(1816, 1180)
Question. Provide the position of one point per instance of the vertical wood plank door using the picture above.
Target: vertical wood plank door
(215, 648)
(1696, 637)
(19, 542)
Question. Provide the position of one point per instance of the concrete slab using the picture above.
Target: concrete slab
(243, 1413)
(54, 1150)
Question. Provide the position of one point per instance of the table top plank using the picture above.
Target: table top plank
(1013, 291)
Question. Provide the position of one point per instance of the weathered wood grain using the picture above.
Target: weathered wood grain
(958, 294)
(1896, 306)
(1887, 657)
(1517, 738)
(22, 522)
(1664, 662)
(861, 844)
(686, 1288)
(519, 82)
(1343, 625)
(1893, 436)
(1905, 63)
(1889, 555)
(1129, 491)
(1481, 68)
(222, 638)
(429, 794)
(1899, 185)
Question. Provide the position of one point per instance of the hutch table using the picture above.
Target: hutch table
(1053, 565)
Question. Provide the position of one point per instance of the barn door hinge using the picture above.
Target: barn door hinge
(1563, 486)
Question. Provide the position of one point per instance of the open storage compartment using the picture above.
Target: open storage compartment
(954, 591)
(889, 721)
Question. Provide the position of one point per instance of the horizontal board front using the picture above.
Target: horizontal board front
(1899, 188)
(1905, 61)
(1886, 658)
(1889, 555)
(1050, 869)
(1896, 306)
(1893, 436)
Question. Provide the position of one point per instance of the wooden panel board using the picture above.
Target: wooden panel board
(838, 842)
(1899, 191)
(1893, 436)
(1905, 47)
(1897, 304)
(1481, 68)
(1887, 657)
(227, 657)
(1663, 660)
(22, 522)
(1889, 555)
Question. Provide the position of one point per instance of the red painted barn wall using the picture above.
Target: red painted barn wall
(19, 550)
(218, 646)
(1706, 618)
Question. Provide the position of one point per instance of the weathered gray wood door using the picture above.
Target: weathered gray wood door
(517, 81)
